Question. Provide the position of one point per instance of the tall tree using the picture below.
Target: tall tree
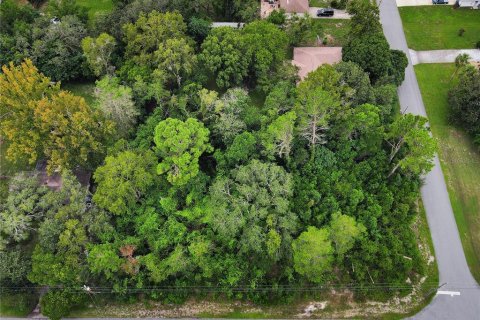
(123, 180)
(223, 54)
(464, 100)
(278, 136)
(71, 133)
(116, 103)
(313, 254)
(252, 206)
(22, 89)
(180, 145)
(57, 50)
(266, 48)
(98, 52)
(344, 231)
(39, 120)
(176, 58)
(411, 144)
(314, 111)
(21, 209)
(146, 35)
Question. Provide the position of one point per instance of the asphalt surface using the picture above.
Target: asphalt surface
(451, 261)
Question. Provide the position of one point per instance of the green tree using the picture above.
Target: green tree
(460, 62)
(399, 64)
(98, 51)
(298, 28)
(57, 304)
(313, 254)
(123, 180)
(56, 49)
(176, 58)
(14, 267)
(278, 137)
(252, 206)
(242, 149)
(358, 81)
(408, 134)
(21, 209)
(344, 231)
(228, 114)
(12, 13)
(314, 111)
(463, 99)
(146, 35)
(266, 48)
(223, 55)
(372, 53)
(180, 145)
(199, 29)
(365, 18)
(277, 17)
(116, 103)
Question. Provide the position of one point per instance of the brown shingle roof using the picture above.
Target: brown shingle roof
(309, 59)
(294, 6)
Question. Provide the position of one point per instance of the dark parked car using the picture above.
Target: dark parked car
(327, 12)
(440, 1)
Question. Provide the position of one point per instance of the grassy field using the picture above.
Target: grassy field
(334, 29)
(82, 89)
(96, 6)
(437, 27)
(460, 159)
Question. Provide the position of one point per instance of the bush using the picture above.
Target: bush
(277, 17)
(57, 304)
(463, 99)
(461, 31)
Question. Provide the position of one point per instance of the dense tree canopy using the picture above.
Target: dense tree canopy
(213, 166)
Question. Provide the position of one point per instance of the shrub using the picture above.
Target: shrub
(57, 304)
(461, 31)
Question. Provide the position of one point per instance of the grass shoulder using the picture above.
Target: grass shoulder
(459, 157)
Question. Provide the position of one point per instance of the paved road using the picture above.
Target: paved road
(442, 56)
(451, 261)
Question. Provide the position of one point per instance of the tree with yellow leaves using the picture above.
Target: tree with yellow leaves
(38, 120)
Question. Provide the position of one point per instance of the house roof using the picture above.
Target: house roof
(308, 59)
(294, 6)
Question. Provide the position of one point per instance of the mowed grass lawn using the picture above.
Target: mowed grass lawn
(460, 159)
(436, 27)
